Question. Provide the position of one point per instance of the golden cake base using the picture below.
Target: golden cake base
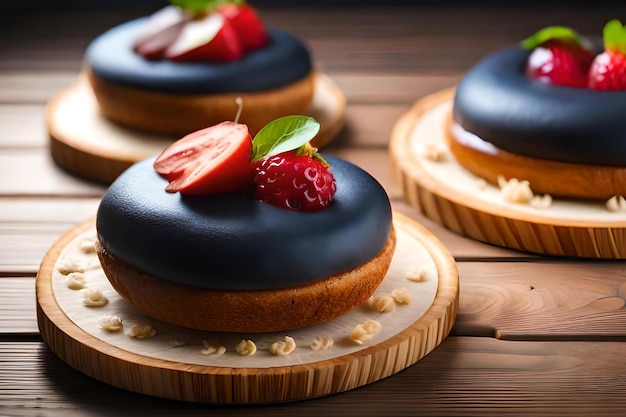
(175, 364)
(90, 146)
(448, 194)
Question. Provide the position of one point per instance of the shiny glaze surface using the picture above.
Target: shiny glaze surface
(497, 102)
(111, 57)
(231, 241)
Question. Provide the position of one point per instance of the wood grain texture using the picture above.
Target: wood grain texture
(384, 58)
(464, 376)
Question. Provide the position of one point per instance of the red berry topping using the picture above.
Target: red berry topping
(210, 161)
(294, 182)
(558, 57)
(608, 70)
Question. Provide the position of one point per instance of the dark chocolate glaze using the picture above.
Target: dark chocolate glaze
(497, 102)
(111, 57)
(233, 242)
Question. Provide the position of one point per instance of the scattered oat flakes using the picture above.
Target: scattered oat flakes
(87, 245)
(67, 266)
(416, 274)
(75, 281)
(211, 349)
(139, 330)
(402, 296)
(365, 331)
(94, 298)
(433, 152)
(111, 323)
(541, 202)
(616, 204)
(383, 303)
(514, 190)
(322, 343)
(246, 348)
(283, 348)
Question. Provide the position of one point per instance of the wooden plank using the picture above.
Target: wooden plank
(463, 377)
(549, 300)
(32, 172)
(17, 303)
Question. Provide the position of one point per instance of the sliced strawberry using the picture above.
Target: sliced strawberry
(608, 70)
(210, 38)
(210, 161)
(159, 31)
(559, 56)
(247, 24)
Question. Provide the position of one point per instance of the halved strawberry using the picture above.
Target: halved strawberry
(247, 24)
(559, 56)
(209, 38)
(608, 70)
(209, 161)
(159, 31)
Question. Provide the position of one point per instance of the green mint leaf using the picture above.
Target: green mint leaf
(614, 36)
(552, 32)
(199, 6)
(282, 135)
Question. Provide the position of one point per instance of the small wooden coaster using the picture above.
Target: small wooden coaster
(90, 146)
(180, 363)
(451, 196)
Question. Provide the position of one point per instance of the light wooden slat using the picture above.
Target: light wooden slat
(463, 377)
(32, 172)
(547, 300)
(17, 306)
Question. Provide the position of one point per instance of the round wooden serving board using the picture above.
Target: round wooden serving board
(451, 196)
(172, 364)
(90, 146)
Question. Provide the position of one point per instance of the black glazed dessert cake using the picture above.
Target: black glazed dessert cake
(223, 233)
(181, 69)
(548, 111)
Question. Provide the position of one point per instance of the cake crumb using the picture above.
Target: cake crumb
(514, 190)
(210, 349)
(416, 274)
(139, 330)
(111, 323)
(383, 303)
(94, 298)
(322, 343)
(283, 348)
(433, 152)
(541, 202)
(365, 331)
(246, 348)
(616, 204)
(88, 245)
(67, 265)
(75, 281)
(402, 296)
(177, 343)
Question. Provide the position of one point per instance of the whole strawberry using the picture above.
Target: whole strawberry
(559, 56)
(608, 70)
(295, 182)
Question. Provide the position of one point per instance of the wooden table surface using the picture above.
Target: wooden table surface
(533, 336)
